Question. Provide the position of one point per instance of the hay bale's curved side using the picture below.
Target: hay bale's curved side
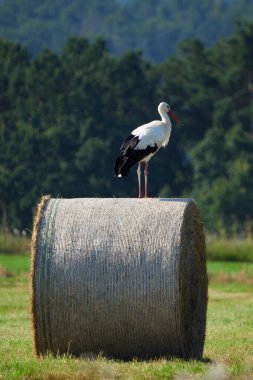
(125, 277)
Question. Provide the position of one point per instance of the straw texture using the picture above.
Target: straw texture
(124, 277)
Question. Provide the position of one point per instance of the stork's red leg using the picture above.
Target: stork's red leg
(139, 179)
(146, 179)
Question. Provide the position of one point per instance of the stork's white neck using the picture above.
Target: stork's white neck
(165, 117)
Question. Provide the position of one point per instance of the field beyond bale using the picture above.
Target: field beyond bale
(229, 340)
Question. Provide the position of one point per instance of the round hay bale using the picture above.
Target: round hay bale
(124, 277)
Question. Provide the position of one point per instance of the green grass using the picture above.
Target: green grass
(229, 339)
(13, 244)
(14, 269)
(15, 264)
(230, 249)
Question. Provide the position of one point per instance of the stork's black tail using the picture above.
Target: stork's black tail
(127, 157)
(123, 165)
(130, 156)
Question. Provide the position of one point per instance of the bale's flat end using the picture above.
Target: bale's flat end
(35, 236)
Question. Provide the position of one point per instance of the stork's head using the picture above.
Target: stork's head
(165, 108)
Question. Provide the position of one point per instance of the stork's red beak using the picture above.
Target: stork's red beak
(174, 116)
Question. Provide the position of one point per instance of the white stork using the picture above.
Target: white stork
(143, 143)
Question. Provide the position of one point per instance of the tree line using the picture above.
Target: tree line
(153, 27)
(64, 116)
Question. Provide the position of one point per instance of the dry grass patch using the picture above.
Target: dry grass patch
(242, 277)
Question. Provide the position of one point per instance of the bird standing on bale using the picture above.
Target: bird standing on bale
(143, 143)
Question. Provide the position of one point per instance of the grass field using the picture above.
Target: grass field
(220, 249)
(228, 348)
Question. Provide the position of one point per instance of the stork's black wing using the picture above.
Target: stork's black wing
(130, 156)
(129, 144)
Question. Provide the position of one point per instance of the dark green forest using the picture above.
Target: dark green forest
(153, 27)
(64, 115)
